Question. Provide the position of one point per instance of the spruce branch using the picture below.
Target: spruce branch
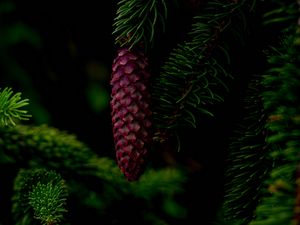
(44, 146)
(47, 201)
(247, 161)
(167, 181)
(152, 183)
(164, 183)
(96, 182)
(39, 194)
(195, 76)
(281, 101)
(136, 21)
(10, 107)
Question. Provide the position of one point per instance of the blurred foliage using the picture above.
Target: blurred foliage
(97, 95)
(95, 184)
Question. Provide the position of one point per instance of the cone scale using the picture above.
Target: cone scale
(130, 111)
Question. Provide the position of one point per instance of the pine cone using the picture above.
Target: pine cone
(131, 114)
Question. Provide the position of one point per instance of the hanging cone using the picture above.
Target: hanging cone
(131, 114)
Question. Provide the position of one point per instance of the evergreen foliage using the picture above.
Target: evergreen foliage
(271, 197)
(136, 21)
(41, 195)
(247, 161)
(280, 204)
(54, 178)
(10, 107)
(42, 149)
(43, 146)
(196, 74)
